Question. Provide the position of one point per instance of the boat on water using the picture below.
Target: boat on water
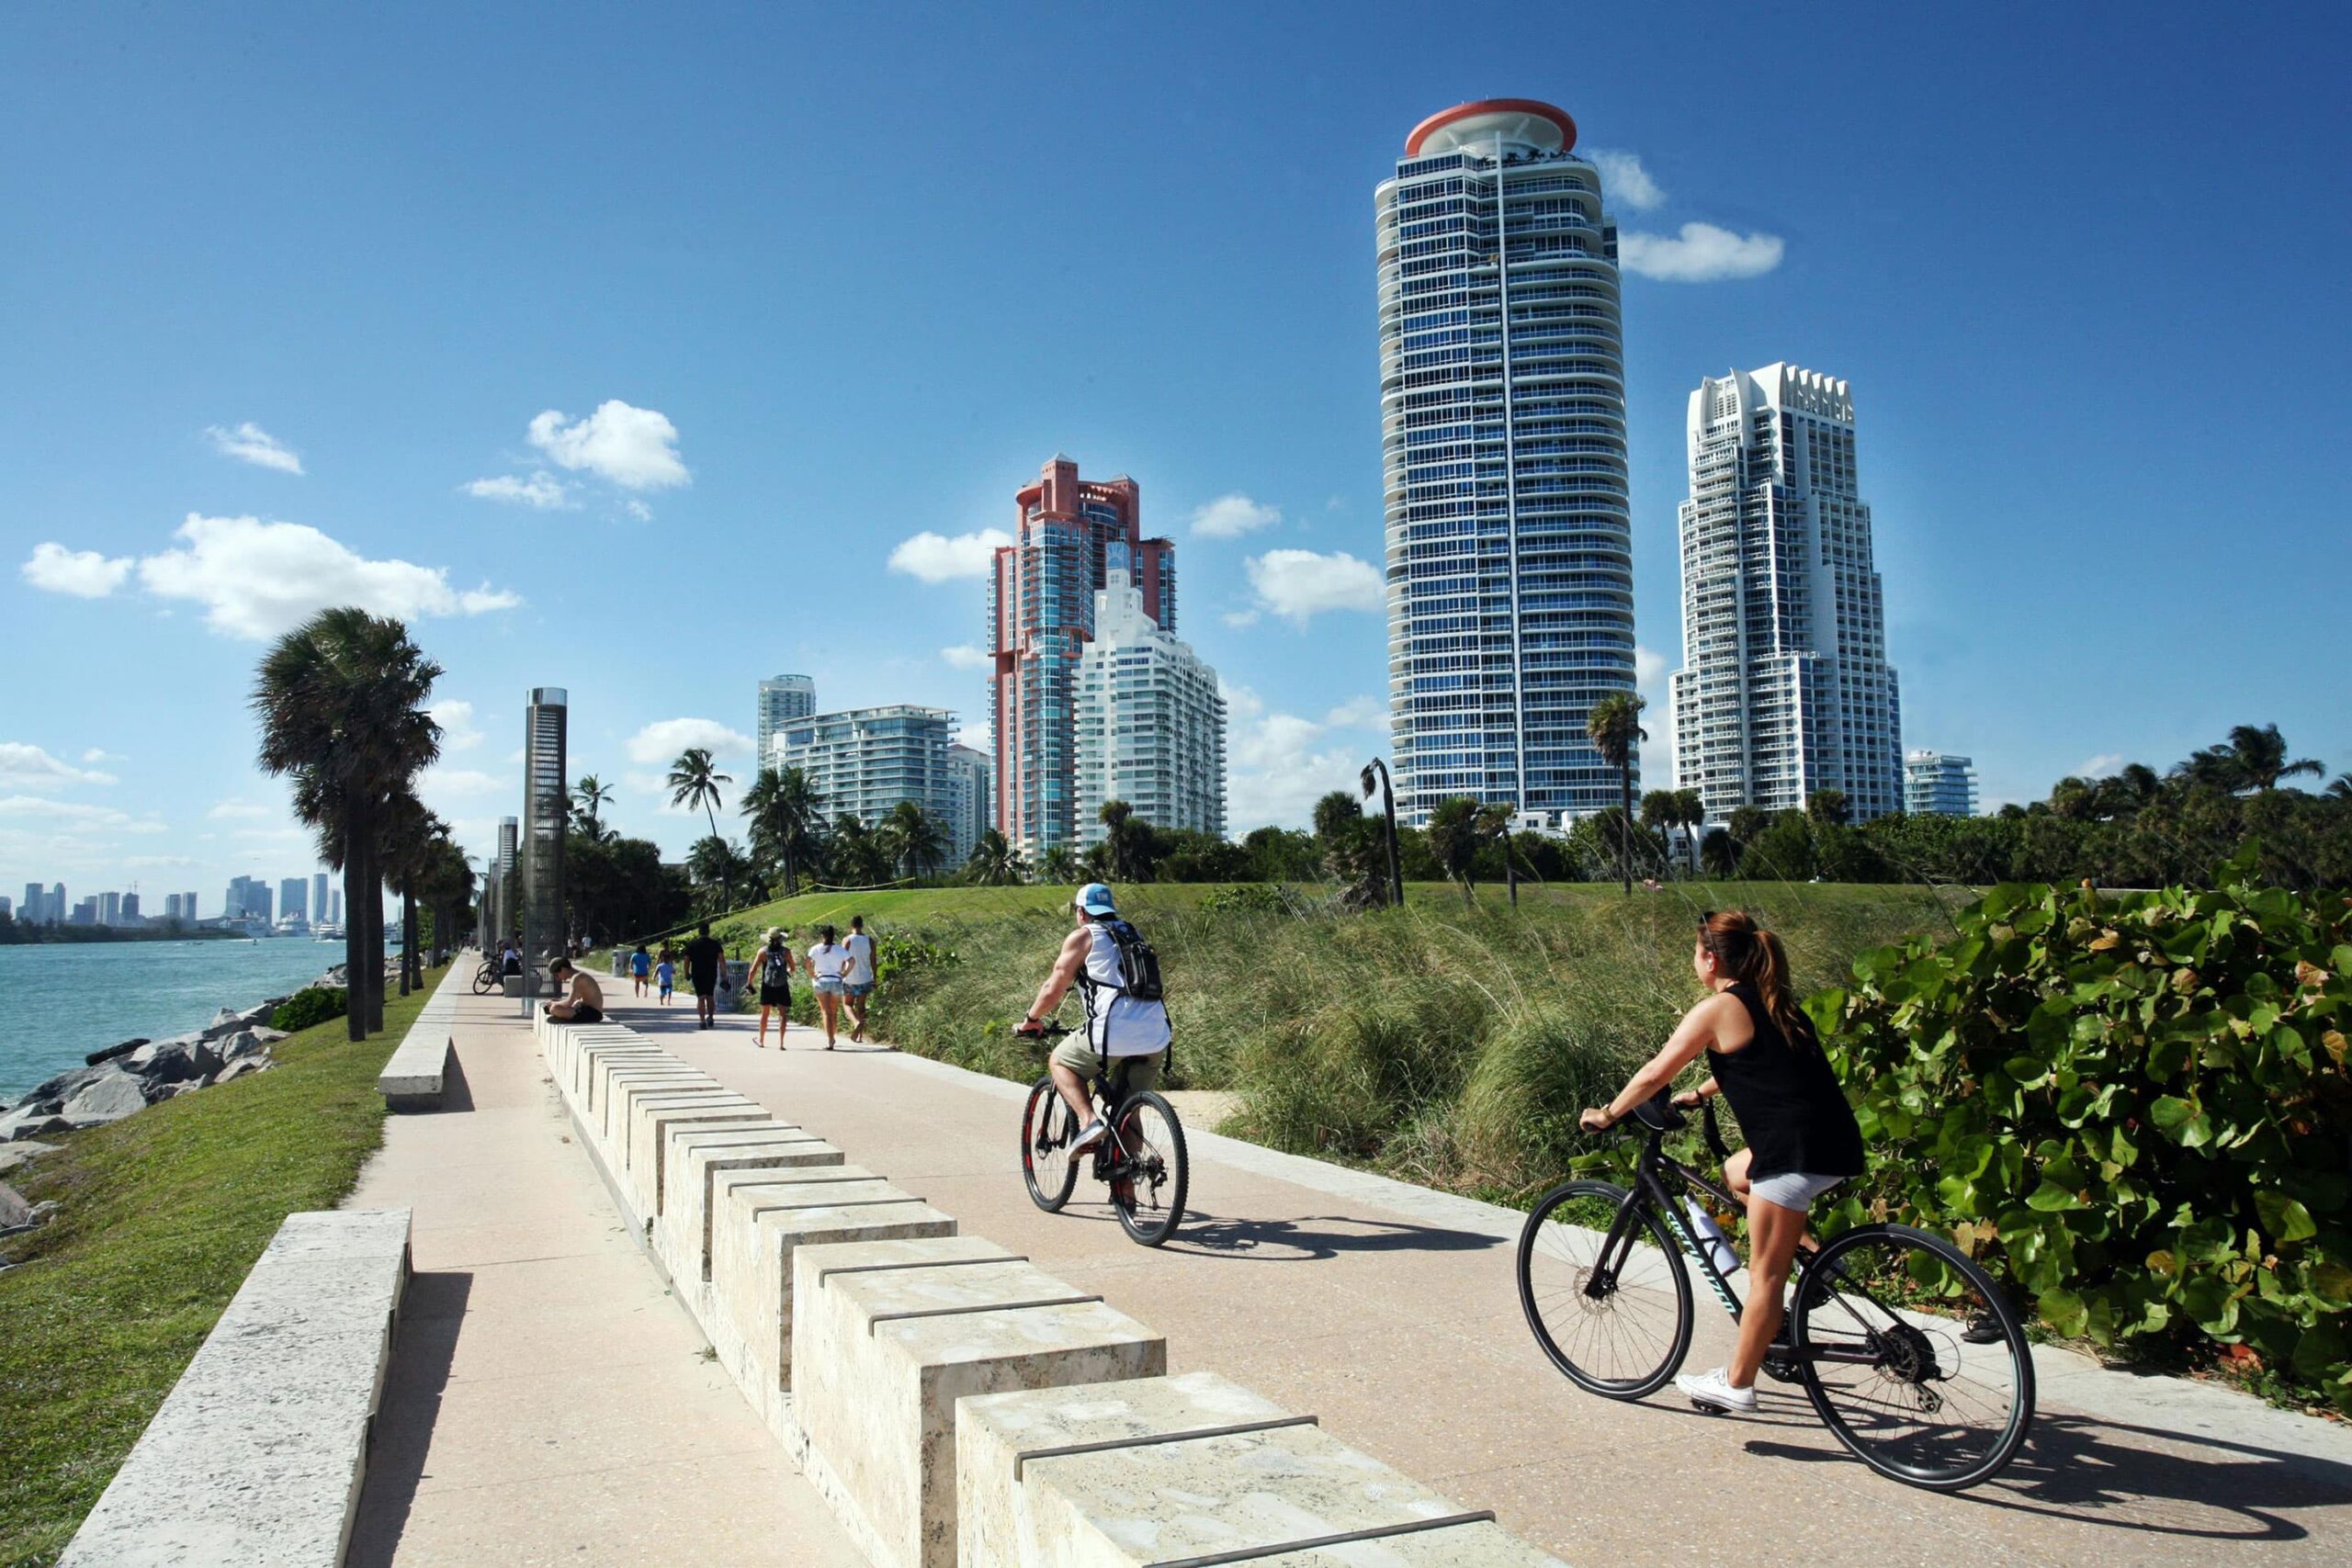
(327, 933)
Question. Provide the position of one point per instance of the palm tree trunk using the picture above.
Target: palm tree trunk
(407, 935)
(355, 940)
(374, 899)
(1625, 825)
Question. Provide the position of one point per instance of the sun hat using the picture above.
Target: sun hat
(1095, 899)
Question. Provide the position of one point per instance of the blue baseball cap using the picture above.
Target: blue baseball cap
(1095, 899)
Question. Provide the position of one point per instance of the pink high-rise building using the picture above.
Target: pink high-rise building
(1041, 615)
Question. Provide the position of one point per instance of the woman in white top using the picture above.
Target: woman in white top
(828, 962)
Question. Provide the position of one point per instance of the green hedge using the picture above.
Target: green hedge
(2136, 1108)
(312, 1004)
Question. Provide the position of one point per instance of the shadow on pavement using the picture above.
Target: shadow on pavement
(432, 1309)
(1306, 1238)
(2075, 1469)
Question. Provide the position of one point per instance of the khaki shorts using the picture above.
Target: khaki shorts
(1142, 1072)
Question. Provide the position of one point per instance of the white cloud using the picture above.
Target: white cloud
(1657, 755)
(436, 782)
(96, 754)
(515, 757)
(1240, 617)
(638, 510)
(235, 810)
(1649, 673)
(1231, 516)
(936, 557)
(542, 491)
(1701, 252)
(256, 579)
(963, 655)
(86, 574)
(1278, 764)
(2100, 766)
(1625, 183)
(662, 742)
(1297, 584)
(1366, 712)
(635, 448)
(459, 732)
(249, 443)
(79, 813)
(25, 766)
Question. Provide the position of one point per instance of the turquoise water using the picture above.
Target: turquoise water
(60, 1001)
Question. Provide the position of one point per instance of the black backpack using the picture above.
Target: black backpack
(777, 969)
(1139, 964)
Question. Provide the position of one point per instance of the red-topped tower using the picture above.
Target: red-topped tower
(1070, 532)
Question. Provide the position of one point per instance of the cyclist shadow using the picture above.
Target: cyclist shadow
(1301, 1240)
(2074, 1468)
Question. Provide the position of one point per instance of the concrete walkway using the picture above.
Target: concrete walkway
(548, 1401)
(1391, 1312)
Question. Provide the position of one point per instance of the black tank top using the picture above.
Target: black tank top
(1788, 1105)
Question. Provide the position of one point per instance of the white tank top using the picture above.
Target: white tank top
(1118, 1024)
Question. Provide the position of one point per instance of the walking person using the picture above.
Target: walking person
(773, 969)
(704, 957)
(1803, 1139)
(828, 960)
(857, 983)
(666, 973)
(641, 967)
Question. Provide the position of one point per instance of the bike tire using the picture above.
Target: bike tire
(1148, 1223)
(1048, 1129)
(485, 982)
(1950, 1463)
(1572, 1251)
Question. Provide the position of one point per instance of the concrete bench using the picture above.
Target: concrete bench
(759, 1220)
(418, 1070)
(570, 1064)
(1192, 1469)
(257, 1454)
(881, 1355)
(607, 1076)
(644, 1145)
(697, 1156)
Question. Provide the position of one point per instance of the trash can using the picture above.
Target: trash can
(620, 965)
(735, 987)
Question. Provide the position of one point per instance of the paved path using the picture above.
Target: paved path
(1390, 1312)
(548, 1401)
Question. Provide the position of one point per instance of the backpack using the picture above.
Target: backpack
(1139, 964)
(777, 970)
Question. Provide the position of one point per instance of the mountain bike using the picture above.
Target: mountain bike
(1142, 1156)
(1889, 1332)
(489, 978)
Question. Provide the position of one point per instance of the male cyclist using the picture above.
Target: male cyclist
(1119, 1028)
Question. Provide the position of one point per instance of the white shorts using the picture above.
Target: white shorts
(1793, 1189)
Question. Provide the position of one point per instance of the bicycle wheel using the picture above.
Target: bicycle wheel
(1047, 1129)
(1149, 1170)
(1878, 1330)
(1605, 1290)
(485, 980)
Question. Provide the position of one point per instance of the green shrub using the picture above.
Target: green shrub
(312, 1004)
(2137, 1108)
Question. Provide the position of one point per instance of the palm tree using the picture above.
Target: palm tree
(341, 699)
(1614, 726)
(912, 840)
(2340, 787)
(589, 798)
(1377, 768)
(995, 862)
(1059, 868)
(787, 818)
(2261, 757)
(716, 863)
(406, 836)
(1457, 829)
(694, 781)
(447, 886)
(1828, 808)
(1718, 854)
(1126, 843)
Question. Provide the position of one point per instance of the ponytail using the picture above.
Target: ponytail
(1748, 953)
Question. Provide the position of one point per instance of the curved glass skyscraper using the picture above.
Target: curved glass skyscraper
(1510, 589)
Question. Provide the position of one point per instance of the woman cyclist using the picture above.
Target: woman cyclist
(1802, 1137)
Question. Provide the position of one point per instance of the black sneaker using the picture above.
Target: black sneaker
(1984, 1328)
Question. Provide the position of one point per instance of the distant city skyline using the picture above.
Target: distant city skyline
(567, 445)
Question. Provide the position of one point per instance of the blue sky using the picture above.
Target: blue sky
(747, 297)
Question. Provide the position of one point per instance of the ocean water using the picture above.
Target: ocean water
(61, 1000)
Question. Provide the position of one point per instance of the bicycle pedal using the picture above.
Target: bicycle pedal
(1705, 1409)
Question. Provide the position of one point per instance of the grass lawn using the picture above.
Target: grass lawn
(164, 1214)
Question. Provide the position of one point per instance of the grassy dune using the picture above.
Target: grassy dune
(1447, 1045)
(164, 1214)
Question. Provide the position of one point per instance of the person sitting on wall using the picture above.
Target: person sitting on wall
(582, 1002)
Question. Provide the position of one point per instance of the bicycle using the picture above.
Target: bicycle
(1142, 1156)
(489, 978)
(1875, 1335)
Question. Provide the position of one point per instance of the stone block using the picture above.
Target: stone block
(880, 1357)
(607, 1075)
(569, 1064)
(644, 1149)
(1178, 1468)
(758, 1220)
(112, 1096)
(417, 1070)
(623, 1088)
(696, 1157)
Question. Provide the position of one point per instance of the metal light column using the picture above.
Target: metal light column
(547, 808)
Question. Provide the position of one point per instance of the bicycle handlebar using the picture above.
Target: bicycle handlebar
(1659, 1115)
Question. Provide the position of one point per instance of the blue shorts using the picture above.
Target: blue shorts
(861, 988)
(830, 986)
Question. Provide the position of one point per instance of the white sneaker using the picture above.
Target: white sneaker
(1095, 1131)
(1712, 1389)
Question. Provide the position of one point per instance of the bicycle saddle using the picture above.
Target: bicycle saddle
(1659, 1114)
